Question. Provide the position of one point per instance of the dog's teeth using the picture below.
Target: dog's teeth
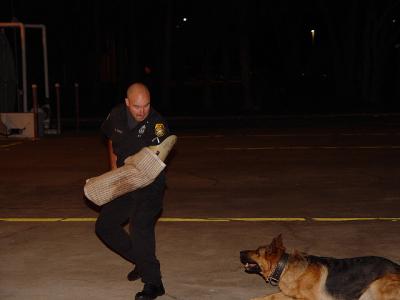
(247, 265)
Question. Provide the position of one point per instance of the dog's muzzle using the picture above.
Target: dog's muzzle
(250, 266)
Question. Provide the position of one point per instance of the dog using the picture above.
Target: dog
(309, 277)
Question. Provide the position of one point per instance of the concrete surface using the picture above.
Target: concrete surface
(225, 187)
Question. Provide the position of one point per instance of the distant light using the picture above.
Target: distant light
(184, 19)
(394, 20)
(312, 36)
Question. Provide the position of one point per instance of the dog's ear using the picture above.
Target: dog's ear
(277, 242)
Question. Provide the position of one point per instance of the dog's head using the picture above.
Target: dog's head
(264, 259)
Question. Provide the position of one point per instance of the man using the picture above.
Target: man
(130, 127)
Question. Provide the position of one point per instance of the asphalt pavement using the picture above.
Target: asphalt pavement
(330, 188)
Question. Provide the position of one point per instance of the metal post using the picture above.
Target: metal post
(24, 80)
(35, 110)
(57, 87)
(46, 66)
(77, 106)
(22, 27)
(23, 57)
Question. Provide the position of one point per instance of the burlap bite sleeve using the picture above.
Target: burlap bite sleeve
(139, 171)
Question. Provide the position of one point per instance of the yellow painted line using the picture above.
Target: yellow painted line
(10, 145)
(79, 220)
(267, 219)
(354, 219)
(166, 219)
(194, 220)
(48, 219)
(94, 219)
(305, 148)
(390, 219)
(31, 219)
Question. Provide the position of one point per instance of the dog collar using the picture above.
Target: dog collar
(276, 275)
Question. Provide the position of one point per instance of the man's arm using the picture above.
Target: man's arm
(111, 156)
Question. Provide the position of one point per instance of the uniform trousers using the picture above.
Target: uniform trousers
(141, 209)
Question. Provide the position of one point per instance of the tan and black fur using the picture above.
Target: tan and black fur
(310, 277)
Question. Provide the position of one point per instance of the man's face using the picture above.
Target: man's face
(138, 105)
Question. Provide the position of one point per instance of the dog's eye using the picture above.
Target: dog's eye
(260, 251)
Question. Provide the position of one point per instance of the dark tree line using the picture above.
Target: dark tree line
(227, 57)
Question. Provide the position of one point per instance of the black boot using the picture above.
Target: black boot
(150, 292)
(133, 275)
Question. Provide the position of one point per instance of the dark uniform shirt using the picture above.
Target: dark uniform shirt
(129, 136)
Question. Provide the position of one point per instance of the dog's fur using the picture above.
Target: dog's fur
(310, 277)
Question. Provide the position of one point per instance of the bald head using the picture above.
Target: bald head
(137, 88)
(138, 101)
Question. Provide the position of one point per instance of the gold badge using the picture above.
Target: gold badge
(159, 129)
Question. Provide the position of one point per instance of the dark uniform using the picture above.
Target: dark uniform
(141, 207)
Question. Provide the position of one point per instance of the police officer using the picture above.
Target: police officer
(129, 127)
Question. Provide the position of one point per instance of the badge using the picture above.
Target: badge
(142, 129)
(159, 129)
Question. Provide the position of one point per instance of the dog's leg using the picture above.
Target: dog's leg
(385, 288)
(276, 296)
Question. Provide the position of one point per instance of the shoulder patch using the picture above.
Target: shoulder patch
(159, 129)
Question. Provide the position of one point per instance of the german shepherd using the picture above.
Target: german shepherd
(309, 277)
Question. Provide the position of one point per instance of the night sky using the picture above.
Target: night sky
(217, 57)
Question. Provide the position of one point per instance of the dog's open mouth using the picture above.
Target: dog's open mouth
(250, 265)
(252, 268)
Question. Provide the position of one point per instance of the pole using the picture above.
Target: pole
(35, 110)
(57, 87)
(24, 80)
(23, 58)
(22, 27)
